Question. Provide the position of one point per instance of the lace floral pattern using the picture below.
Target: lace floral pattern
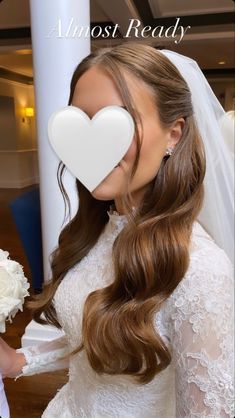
(202, 330)
(196, 323)
(45, 357)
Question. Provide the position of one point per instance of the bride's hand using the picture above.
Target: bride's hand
(11, 362)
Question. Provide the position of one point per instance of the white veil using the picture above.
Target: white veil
(217, 214)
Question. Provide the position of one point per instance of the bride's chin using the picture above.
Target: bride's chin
(110, 187)
(103, 196)
(104, 191)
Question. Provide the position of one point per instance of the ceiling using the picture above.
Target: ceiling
(210, 40)
(173, 7)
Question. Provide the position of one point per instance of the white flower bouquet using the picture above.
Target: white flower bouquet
(13, 289)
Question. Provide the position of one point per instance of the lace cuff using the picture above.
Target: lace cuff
(45, 357)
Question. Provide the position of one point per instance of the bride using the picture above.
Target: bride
(142, 279)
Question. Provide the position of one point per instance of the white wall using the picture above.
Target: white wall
(18, 168)
(18, 157)
(7, 123)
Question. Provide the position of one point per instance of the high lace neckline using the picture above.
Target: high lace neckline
(119, 220)
(112, 212)
(115, 218)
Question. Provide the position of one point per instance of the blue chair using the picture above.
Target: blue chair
(27, 216)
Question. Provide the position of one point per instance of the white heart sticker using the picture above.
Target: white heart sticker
(91, 148)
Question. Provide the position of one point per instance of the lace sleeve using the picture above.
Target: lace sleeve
(202, 326)
(45, 357)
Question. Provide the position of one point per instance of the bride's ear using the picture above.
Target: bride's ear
(175, 132)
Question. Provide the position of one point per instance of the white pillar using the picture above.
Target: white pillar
(56, 53)
(55, 57)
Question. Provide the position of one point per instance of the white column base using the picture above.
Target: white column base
(36, 334)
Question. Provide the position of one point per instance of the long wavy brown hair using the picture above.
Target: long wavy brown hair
(119, 318)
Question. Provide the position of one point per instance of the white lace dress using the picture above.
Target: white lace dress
(4, 409)
(196, 322)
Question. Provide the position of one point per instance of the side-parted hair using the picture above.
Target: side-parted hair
(157, 236)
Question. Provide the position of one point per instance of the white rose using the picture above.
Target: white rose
(8, 308)
(13, 289)
(3, 255)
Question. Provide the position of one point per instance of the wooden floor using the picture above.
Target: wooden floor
(28, 396)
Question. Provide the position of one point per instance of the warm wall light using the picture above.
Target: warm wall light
(221, 62)
(29, 112)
